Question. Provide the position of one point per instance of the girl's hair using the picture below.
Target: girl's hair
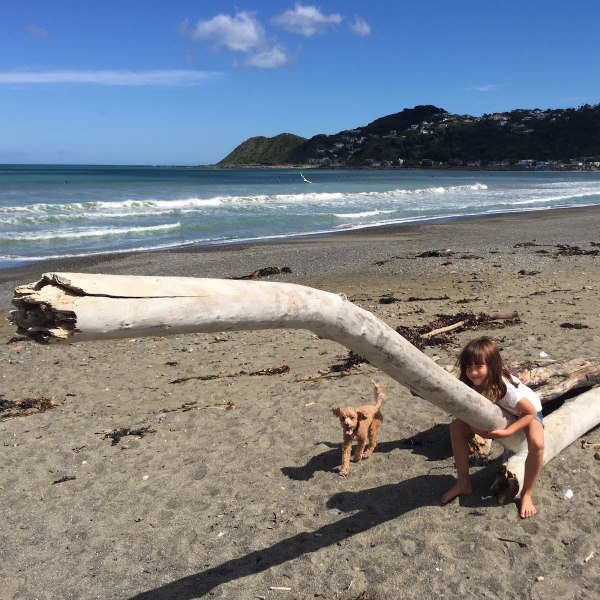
(483, 351)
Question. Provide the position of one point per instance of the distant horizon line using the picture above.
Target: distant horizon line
(157, 165)
(100, 164)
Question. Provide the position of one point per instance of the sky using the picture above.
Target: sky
(184, 82)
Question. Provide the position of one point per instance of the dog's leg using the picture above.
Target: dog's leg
(346, 450)
(360, 446)
(373, 429)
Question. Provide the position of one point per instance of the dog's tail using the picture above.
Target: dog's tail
(379, 395)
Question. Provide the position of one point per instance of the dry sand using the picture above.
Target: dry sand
(233, 491)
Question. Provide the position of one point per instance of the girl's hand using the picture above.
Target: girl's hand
(496, 434)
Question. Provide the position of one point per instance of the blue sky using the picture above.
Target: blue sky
(185, 82)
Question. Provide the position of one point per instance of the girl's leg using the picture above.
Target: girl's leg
(459, 435)
(533, 466)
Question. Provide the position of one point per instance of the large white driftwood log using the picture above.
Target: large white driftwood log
(77, 306)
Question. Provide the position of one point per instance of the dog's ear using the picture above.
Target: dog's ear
(337, 410)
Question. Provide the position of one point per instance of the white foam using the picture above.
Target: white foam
(551, 199)
(362, 215)
(133, 207)
(90, 232)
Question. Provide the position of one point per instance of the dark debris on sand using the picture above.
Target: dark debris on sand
(420, 337)
(264, 272)
(352, 360)
(117, 434)
(24, 408)
(563, 249)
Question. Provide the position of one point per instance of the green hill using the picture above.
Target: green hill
(428, 135)
(263, 151)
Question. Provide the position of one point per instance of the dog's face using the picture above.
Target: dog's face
(349, 418)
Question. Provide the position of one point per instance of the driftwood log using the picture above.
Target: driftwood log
(556, 379)
(77, 306)
(561, 428)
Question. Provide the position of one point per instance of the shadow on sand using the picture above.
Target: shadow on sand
(370, 508)
(434, 444)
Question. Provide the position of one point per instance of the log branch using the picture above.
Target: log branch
(116, 306)
(446, 329)
(492, 318)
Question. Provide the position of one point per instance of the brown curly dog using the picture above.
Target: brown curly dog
(361, 423)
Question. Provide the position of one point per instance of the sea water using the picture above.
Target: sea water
(49, 211)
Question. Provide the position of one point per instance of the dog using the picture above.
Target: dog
(361, 423)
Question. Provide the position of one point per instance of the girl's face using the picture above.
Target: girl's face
(477, 374)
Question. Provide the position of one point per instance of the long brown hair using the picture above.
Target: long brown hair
(484, 351)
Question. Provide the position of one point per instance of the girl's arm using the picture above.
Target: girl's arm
(527, 413)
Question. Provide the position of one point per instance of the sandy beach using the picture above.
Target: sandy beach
(228, 486)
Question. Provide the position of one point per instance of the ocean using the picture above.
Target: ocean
(49, 211)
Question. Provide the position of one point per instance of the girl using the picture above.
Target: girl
(482, 369)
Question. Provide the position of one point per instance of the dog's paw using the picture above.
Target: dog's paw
(344, 473)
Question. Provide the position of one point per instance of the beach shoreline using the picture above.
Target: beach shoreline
(156, 262)
(229, 489)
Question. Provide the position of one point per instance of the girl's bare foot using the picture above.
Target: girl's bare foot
(458, 489)
(527, 508)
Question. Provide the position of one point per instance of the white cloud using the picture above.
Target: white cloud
(272, 58)
(488, 87)
(306, 20)
(173, 78)
(242, 33)
(37, 32)
(360, 27)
